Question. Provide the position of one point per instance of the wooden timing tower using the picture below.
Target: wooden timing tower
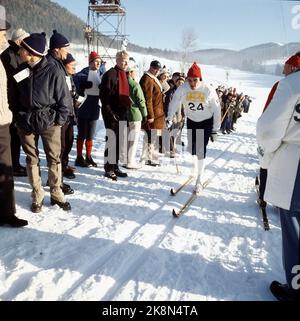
(105, 27)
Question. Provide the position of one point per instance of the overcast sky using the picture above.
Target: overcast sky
(229, 24)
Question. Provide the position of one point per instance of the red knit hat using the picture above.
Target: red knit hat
(93, 55)
(293, 61)
(195, 71)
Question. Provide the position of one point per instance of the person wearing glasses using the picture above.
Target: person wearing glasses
(203, 113)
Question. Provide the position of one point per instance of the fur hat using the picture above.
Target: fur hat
(35, 43)
(19, 34)
(57, 40)
(194, 71)
(163, 70)
(131, 65)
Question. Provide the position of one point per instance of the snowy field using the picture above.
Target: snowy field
(120, 241)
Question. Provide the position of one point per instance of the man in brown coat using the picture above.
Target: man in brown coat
(156, 119)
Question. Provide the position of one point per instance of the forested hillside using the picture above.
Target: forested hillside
(43, 15)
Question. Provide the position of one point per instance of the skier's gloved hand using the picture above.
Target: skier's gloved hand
(115, 117)
(86, 84)
(260, 151)
(169, 124)
(213, 136)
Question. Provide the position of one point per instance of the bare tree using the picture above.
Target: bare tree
(188, 44)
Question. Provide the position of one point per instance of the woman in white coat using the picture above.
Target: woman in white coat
(278, 136)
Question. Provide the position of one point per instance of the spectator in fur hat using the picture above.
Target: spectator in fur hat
(163, 78)
(137, 114)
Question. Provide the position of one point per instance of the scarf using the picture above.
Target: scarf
(124, 99)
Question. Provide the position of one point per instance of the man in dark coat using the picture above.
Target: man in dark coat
(68, 134)
(11, 61)
(58, 51)
(41, 108)
(114, 95)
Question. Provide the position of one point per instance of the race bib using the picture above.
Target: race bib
(297, 113)
(22, 75)
(195, 96)
(68, 80)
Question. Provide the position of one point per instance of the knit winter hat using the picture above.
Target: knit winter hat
(69, 59)
(19, 34)
(293, 61)
(57, 40)
(194, 71)
(93, 55)
(35, 43)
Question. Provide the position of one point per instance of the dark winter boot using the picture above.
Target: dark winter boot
(12, 221)
(151, 163)
(67, 189)
(119, 173)
(66, 206)
(90, 161)
(111, 175)
(81, 162)
(282, 292)
(68, 172)
(36, 207)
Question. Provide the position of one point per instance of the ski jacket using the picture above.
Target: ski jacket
(42, 98)
(278, 137)
(199, 104)
(90, 108)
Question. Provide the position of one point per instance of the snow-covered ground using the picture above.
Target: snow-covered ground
(120, 241)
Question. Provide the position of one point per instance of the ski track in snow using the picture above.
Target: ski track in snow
(121, 242)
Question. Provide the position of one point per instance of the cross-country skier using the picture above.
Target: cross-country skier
(278, 134)
(291, 65)
(203, 112)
